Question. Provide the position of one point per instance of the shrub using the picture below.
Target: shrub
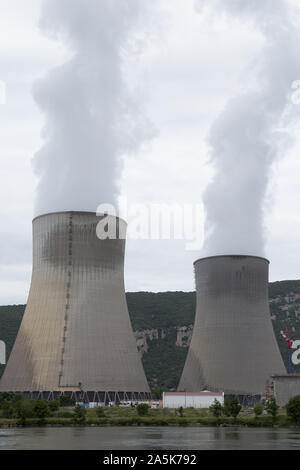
(100, 412)
(179, 411)
(158, 392)
(226, 407)
(142, 409)
(4, 397)
(9, 396)
(216, 408)
(235, 408)
(258, 409)
(293, 409)
(7, 409)
(40, 410)
(231, 407)
(53, 405)
(272, 408)
(64, 400)
(79, 416)
(21, 415)
(24, 409)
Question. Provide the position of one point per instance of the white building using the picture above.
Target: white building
(191, 399)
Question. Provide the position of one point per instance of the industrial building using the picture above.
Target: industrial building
(191, 399)
(76, 337)
(285, 386)
(233, 347)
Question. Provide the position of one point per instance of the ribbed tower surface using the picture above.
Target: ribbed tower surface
(76, 331)
(233, 347)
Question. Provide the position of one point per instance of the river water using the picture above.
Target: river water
(149, 438)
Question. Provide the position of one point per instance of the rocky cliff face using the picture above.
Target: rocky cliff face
(184, 336)
(143, 337)
(285, 315)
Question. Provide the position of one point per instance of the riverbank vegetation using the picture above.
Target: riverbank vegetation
(16, 411)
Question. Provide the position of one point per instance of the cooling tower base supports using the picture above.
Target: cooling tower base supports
(246, 401)
(88, 396)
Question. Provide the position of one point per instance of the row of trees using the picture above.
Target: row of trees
(13, 405)
(232, 408)
(271, 407)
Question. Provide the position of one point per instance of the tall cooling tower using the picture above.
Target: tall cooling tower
(233, 347)
(76, 336)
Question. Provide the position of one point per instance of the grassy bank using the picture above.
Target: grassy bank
(156, 417)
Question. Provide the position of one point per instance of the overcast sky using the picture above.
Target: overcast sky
(190, 66)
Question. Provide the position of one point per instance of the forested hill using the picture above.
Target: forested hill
(163, 323)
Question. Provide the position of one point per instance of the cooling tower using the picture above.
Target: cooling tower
(76, 336)
(233, 347)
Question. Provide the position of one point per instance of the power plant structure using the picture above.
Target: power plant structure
(76, 337)
(233, 347)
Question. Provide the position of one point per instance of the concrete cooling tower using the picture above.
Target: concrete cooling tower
(233, 347)
(76, 337)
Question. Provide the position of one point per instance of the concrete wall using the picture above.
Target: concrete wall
(233, 347)
(76, 327)
(286, 387)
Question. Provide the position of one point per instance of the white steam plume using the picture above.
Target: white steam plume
(242, 139)
(91, 117)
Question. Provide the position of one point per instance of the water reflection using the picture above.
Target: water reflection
(155, 438)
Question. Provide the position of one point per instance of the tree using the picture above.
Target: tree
(142, 409)
(5, 396)
(53, 405)
(226, 407)
(180, 411)
(235, 408)
(7, 409)
(41, 410)
(258, 409)
(9, 396)
(64, 400)
(231, 407)
(21, 415)
(293, 409)
(216, 408)
(79, 414)
(272, 407)
(24, 409)
(158, 391)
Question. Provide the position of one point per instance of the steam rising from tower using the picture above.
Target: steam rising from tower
(91, 117)
(243, 139)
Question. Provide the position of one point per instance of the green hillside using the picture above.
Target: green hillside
(10, 319)
(163, 323)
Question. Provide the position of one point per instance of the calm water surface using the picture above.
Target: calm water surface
(147, 438)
